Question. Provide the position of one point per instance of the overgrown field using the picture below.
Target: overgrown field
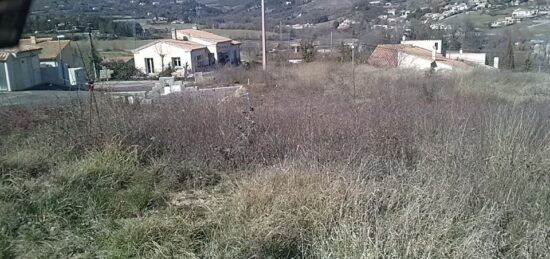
(395, 164)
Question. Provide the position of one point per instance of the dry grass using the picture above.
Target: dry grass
(401, 165)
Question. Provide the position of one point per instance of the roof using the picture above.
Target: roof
(50, 48)
(185, 45)
(203, 35)
(5, 53)
(386, 55)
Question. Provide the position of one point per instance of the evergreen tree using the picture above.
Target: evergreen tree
(528, 66)
(508, 61)
(308, 50)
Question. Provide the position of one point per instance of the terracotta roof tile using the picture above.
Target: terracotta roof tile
(386, 55)
(50, 48)
(186, 45)
(5, 53)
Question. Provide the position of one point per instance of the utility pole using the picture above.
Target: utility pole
(92, 52)
(280, 30)
(264, 43)
(135, 35)
(61, 65)
(331, 42)
(353, 71)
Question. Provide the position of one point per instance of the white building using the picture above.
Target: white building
(478, 58)
(19, 68)
(161, 55)
(221, 50)
(412, 57)
(525, 13)
(56, 57)
(193, 49)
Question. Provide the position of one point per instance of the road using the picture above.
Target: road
(41, 97)
(34, 98)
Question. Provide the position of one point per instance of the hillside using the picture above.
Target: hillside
(328, 164)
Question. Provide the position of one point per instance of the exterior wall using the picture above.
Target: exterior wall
(169, 52)
(23, 72)
(230, 51)
(426, 44)
(409, 61)
(4, 86)
(77, 76)
(478, 58)
(53, 73)
(71, 57)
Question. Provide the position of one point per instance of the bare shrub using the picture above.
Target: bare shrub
(331, 162)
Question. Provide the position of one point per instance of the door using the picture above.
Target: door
(149, 66)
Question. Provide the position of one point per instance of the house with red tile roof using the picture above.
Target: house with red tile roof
(162, 55)
(192, 49)
(410, 56)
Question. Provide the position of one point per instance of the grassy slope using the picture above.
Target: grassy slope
(428, 173)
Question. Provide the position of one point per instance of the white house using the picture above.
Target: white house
(478, 58)
(221, 50)
(19, 68)
(412, 57)
(161, 55)
(525, 13)
(56, 58)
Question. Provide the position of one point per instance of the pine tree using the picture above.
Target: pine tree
(508, 61)
(528, 66)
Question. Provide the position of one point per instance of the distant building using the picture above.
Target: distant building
(161, 55)
(192, 49)
(477, 58)
(525, 13)
(410, 56)
(19, 68)
(56, 57)
(503, 22)
(221, 50)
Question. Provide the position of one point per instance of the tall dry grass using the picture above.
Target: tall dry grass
(329, 164)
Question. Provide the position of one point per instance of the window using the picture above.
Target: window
(149, 66)
(176, 62)
(437, 46)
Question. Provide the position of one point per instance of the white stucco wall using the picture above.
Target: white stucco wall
(232, 51)
(169, 52)
(413, 62)
(479, 58)
(23, 71)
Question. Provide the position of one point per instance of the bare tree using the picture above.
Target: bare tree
(160, 50)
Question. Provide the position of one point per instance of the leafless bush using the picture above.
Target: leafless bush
(328, 164)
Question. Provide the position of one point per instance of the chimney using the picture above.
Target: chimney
(404, 38)
(174, 34)
(496, 62)
(33, 40)
(460, 52)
